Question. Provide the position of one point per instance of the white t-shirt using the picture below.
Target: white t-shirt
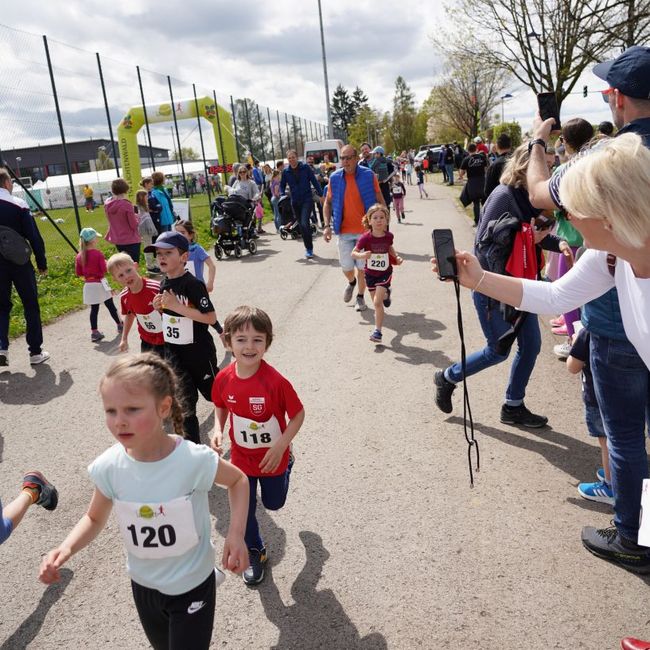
(587, 280)
(162, 512)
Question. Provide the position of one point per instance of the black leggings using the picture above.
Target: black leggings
(177, 622)
(94, 312)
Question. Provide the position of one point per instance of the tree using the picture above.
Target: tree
(365, 128)
(545, 44)
(187, 152)
(359, 100)
(513, 129)
(343, 112)
(466, 96)
(253, 133)
(402, 123)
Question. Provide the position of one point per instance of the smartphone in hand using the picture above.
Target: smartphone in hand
(445, 253)
(547, 104)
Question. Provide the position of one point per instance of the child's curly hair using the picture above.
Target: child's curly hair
(365, 220)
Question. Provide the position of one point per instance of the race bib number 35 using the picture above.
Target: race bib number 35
(178, 329)
(154, 531)
(378, 262)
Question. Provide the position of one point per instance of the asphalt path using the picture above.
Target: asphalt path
(382, 543)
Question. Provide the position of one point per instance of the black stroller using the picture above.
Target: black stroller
(232, 222)
(290, 223)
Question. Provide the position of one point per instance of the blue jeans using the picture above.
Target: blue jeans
(22, 277)
(303, 213)
(277, 219)
(622, 389)
(529, 342)
(450, 173)
(274, 494)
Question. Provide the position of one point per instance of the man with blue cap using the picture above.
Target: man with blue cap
(624, 403)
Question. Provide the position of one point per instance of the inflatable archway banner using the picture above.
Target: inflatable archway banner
(133, 121)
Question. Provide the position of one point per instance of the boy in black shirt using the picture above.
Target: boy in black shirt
(186, 314)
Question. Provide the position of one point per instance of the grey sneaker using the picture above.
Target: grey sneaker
(35, 359)
(444, 391)
(349, 290)
(96, 336)
(608, 544)
(562, 350)
(361, 304)
(4, 358)
(521, 416)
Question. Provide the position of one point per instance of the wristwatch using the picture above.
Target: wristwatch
(532, 143)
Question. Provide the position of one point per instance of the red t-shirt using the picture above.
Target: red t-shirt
(140, 305)
(380, 261)
(258, 409)
(95, 267)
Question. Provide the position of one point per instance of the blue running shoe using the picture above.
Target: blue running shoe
(309, 254)
(600, 491)
(600, 474)
(375, 337)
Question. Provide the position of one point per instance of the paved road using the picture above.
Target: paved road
(382, 543)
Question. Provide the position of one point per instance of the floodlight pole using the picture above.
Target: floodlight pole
(330, 133)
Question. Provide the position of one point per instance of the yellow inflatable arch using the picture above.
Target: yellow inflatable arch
(133, 121)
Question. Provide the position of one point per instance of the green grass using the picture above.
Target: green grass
(60, 291)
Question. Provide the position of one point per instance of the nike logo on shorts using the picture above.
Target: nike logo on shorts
(195, 606)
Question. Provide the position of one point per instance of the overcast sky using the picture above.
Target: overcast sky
(269, 52)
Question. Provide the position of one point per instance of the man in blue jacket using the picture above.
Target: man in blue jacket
(300, 179)
(15, 214)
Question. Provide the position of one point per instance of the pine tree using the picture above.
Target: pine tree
(343, 111)
(403, 122)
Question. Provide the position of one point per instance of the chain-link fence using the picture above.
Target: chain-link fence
(74, 120)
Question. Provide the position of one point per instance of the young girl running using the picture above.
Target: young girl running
(91, 264)
(158, 484)
(420, 176)
(398, 192)
(257, 400)
(146, 227)
(376, 247)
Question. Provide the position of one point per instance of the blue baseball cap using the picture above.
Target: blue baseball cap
(169, 239)
(88, 234)
(629, 72)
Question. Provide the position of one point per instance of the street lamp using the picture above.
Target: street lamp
(330, 133)
(506, 96)
(18, 161)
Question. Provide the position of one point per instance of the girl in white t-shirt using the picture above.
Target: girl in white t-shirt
(158, 484)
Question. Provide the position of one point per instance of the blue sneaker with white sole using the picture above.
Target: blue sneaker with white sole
(600, 491)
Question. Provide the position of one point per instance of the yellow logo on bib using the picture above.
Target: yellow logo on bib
(253, 426)
(145, 512)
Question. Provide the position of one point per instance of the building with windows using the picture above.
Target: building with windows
(45, 160)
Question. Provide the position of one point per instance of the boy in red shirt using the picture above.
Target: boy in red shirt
(257, 400)
(136, 301)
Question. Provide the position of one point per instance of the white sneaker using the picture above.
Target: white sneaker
(4, 358)
(562, 350)
(361, 304)
(35, 359)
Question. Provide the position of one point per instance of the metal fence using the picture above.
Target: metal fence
(61, 109)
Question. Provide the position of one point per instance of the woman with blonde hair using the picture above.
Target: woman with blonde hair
(606, 194)
(509, 198)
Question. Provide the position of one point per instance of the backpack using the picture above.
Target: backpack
(14, 247)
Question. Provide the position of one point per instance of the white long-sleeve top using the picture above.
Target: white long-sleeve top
(587, 280)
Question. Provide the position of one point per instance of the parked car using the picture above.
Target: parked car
(422, 154)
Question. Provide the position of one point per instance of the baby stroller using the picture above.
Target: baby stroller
(232, 222)
(290, 224)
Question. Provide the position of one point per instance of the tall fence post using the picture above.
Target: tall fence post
(286, 121)
(178, 137)
(146, 119)
(65, 148)
(268, 116)
(108, 113)
(248, 128)
(234, 124)
(259, 126)
(295, 133)
(222, 153)
(277, 114)
(205, 165)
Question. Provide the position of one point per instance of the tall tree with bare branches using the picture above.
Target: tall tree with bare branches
(545, 44)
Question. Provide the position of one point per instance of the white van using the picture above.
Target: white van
(318, 150)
